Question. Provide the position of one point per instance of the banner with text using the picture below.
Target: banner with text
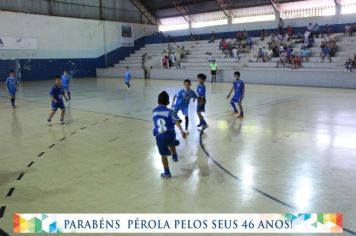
(179, 223)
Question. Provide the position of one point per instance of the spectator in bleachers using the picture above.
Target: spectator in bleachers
(326, 31)
(221, 44)
(282, 60)
(164, 61)
(212, 37)
(235, 54)
(210, 57)
(316, 30)
(268, 54)
(172, 60)
(245, 34)
(325, 52)
(354, 62)
(225, 48)
(348, 30)
(306, 36)
(299, 38)
(280, 25)
(310, 28)
(263, 34)
(333, 48)
(296, 62)
(260, 55)
(239, 36)
(249, 41)
(305, 54)
(170, 48)
(348, 65)
(289, 31)
(289, 52)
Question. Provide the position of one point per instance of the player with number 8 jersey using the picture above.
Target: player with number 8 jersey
(164, 121)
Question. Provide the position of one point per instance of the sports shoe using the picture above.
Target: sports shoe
(175, 157)
(241, 116)
(205, 126)
(166, 176)
(186, 131)
(62, 122)
(48, 122)
(176, 143)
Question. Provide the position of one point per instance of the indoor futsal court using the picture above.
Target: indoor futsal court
(283, 143)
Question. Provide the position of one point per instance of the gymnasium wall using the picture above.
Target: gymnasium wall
(80, 45)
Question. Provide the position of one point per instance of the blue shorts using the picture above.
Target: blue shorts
(183, 109)
(236, 99)
(201, 104)
(164, 141)
(59, 104)
(12, 93)
(66, 88)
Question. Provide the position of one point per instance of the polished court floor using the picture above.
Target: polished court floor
(295, 151)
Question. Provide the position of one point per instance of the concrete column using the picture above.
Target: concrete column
(229, 20)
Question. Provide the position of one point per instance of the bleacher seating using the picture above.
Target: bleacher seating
(197, 57)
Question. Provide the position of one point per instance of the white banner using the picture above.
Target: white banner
(18, 43)
(179, 223)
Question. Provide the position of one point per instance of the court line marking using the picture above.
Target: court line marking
(11, 191)
(201, 144)
(30, 164)
(3, 233)
(2, 211)
(251, 186)
(111, 140)
(41, 154)
(239, 179)
(20, 176)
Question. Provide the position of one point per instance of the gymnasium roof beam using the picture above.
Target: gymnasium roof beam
(276, 5)
(337, 2)
(224, 7)
(182, 10)
(144, 11)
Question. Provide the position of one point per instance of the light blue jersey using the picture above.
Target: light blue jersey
(239, 89)
(127, 76)
(183, 98)
(11, 84)
(65, 81)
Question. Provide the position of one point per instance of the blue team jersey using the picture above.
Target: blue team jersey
(127, 76)
(239, 88)
(65, 80)
(183, 98)
(164, 120)
(201, 90)
(11, 84)
(57, 92)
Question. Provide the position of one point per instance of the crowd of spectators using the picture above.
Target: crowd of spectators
(171, 57)
(283, 40)
(233, 47)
